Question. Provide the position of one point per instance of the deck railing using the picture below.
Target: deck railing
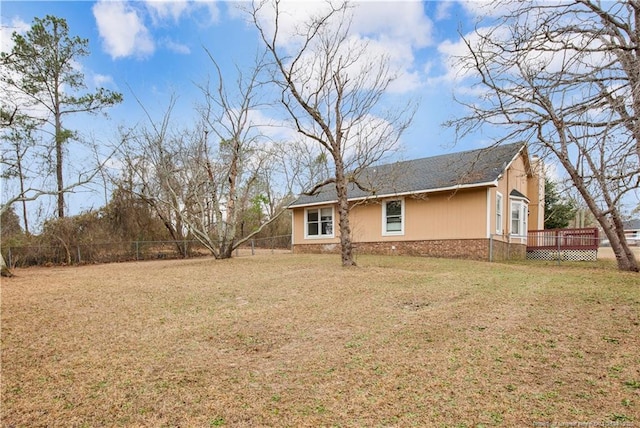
(563, 239)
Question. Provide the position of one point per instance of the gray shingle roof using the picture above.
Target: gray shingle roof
(517, 194)
(469, 168)
(631, 224)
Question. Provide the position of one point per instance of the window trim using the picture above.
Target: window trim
(499, 213)
(400, 232)
(523, 211)
(319, 235)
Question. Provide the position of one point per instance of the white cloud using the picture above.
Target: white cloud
(174, 10)
(292, 14)
(121, 24)
(212, 8)
(273, 128)
(17, 25)
(101, 80)
(176, 47)
(404, 22)
(406, 82)
(394, 30)
(13, 98)
(122, 30)
(443, 10)
(451, 53)
(161, 10)
(485, 8)
(397, 30)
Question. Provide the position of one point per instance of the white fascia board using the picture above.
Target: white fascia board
(314, 204)
(501, 175)
(506, 168)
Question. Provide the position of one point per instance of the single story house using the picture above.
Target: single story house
(476, 204)
(632, 231)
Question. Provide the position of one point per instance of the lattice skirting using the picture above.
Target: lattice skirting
(567, 255)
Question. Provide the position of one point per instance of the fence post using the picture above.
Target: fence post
(79, 257)
(559, 245)
(10, 258)
(253, 247)
(137, 251)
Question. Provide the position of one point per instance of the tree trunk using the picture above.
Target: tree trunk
(229, 226)
(59, 137)
(4, 269)
(226, 251)
(66, 250)
(24, 202)
(624, 256)
(59, 179)
(614, 231)
(346, 246)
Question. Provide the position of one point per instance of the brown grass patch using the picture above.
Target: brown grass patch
(296, 340)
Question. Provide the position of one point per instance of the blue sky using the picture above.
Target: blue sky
(153, 49)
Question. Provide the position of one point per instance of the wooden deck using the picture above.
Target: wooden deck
(563, 244)
(563, 239)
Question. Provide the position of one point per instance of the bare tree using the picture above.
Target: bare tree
(29, 193)
(21, 158)
(151, 157)
(242, 154)
(565, 76)
(331, 86)
(205, 177)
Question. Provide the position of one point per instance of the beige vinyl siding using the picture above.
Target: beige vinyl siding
(447, 215)
(458, 214)
(299, 229)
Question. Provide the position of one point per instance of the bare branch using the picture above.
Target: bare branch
(563, 75)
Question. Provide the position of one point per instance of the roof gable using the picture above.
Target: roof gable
(473, 168)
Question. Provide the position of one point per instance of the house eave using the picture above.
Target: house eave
(493, 183)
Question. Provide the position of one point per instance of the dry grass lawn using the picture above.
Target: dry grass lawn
(296, 340)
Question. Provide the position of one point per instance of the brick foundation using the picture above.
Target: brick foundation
(473, 249)
(508, 251)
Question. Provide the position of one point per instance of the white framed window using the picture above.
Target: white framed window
(519, 212)
(318, 222)
(499, 210)
(393, 217)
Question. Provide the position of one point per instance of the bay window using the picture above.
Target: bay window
(498, 213)
(519, 211)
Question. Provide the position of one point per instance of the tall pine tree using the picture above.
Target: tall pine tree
(41, 71)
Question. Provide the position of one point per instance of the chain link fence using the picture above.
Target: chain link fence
(46, 255)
